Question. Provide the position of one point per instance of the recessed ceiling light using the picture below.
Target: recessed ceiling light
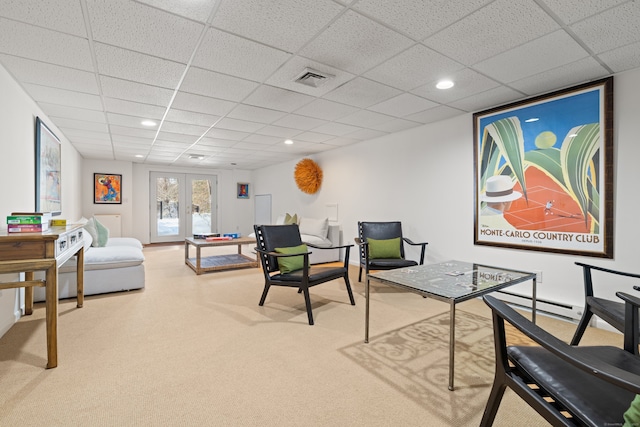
(148, 123)
(288, 142)
(196, 156)
(444, 84)
(532, 119)
(139, 155)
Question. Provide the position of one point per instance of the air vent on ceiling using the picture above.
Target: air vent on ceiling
(313, 78)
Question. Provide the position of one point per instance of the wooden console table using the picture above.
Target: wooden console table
(30, 252)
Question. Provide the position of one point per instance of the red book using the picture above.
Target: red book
(25, 228)
(212, 239)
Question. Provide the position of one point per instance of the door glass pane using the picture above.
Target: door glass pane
(201, 205)
(167, 207)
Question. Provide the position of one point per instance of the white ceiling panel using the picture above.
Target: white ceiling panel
(29, 41)
(54, 95)
(141, 28)
(537, 56)
(355, 44)
(285, 24)
(219, 52)
(227, 68)
(502, 25)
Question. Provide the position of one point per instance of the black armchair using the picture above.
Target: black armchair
(270, 237)
(383, 231)
(567, 385)
(612, 312)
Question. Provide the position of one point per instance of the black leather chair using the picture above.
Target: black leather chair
(612, 312)
(383, 231)
(270, 237)
(567, 385)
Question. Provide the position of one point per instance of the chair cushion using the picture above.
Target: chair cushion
(388, 264)
(316, 275)
(387, 248)
(289, 264)
(632, 415)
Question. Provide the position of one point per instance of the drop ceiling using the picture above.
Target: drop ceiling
(218, 76)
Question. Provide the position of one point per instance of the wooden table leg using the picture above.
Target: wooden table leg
(80, 277)
(28, 294)
(51, 288)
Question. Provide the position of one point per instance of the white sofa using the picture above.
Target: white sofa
(118, 266)
(317, 232)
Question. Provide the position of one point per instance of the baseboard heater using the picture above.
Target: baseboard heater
(553, 308)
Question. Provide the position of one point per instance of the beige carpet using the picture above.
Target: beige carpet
(198, 350)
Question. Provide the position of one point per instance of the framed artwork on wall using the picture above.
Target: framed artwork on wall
(107, 188)
(48, 170)
(243, 190)
(544, 172)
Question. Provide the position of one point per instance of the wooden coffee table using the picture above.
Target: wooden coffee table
(202, 264)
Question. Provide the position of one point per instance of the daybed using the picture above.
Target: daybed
(316, 232)
(117, 266)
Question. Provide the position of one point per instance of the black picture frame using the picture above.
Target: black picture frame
(107, 189)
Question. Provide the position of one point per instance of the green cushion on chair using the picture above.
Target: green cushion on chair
(389, 249)
(632, 415)
(293, 263)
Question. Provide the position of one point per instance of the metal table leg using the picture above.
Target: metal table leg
(366, 310)
(452, 341)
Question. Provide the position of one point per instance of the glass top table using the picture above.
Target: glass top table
(452, 282)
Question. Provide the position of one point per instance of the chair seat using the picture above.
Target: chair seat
(568, 384)
(611, 311)
(390, 263)
(316, 274)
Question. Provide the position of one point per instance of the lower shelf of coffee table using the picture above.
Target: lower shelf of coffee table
(221, 262)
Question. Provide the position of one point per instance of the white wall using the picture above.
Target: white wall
(17, 170)
(424, 178)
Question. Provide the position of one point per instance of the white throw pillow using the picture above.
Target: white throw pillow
(314, 227)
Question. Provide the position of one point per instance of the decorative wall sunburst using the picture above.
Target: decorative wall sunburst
(308, 176)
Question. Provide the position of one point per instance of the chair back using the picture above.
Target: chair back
(380, 231)
(270, 237)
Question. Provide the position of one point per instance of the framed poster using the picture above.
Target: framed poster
(48, 170)
(243, 190)
(107, 188)
(544, 172)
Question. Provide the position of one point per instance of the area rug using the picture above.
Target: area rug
(415, 361)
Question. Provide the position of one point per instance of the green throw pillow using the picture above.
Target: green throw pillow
(389, 248)
(292, 263)
(632, 415)
(291, 219)
(103, 234)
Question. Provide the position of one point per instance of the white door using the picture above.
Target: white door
(181, 205)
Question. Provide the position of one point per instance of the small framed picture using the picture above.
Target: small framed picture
(107, 188)
(243, 190)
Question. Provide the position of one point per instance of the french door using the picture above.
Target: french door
(181, 205)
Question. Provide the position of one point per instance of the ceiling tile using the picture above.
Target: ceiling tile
(365, 119)
(467, 82)
(53, 110)
(53, 95)
(341, 142)
(240, 125)
(278, 99)
(263, 139)
(414, 67)
(29, 71)
(613, 28)
(362, 93)
(125, 64)
(132, 91)
(364, 134)
(219, 52)
(299, 122)
(337, 129)
(280, 131)
(547, 52)
(285, 24)
(215, 142)
(355, 44)
(136, 109)
(435, 114)
(568, 75)
(402, 105)
(184, 128)
(571, 11)
(325, 109)
(196, 10)
(128, 131)
(419, 18)
(202, 104)
(491, 98)
(28, 41)
(313, 137)
(126, 120)
(500, 26)
(395, 125)
(216, 85)
(622, 59)
(191, 117)
(176, 137)
(256, 114)
(227, 134)
(104, 137)
(64, 123)
(61, 15)
(144, 29)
